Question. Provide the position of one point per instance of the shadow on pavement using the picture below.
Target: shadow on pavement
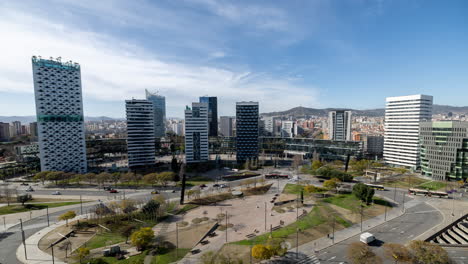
(5, 235)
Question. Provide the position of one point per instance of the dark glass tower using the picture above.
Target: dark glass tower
(247, 131)
(212, 102)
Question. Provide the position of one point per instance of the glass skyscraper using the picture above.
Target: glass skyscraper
(247, 131)
(212, 102)
(159, 105)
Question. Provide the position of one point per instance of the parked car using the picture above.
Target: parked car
(30, 189)
(56, 193)
(113, 191)
(366, 238)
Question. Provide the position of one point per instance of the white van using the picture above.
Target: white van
(366, 238)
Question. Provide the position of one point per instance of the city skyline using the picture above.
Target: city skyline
(377, 56)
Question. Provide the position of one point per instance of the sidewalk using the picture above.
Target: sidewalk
(35, 255)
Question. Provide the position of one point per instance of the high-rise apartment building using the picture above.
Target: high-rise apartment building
(212, 102)
(159, 106)
(339, 125)
(226, 126)
(288, 129)
(247, 114)
(403, 114)
(59, 110)
(33, 130)
(4, 131)
(140, 133)
(196, 133)
(17, 127)
(444, 150)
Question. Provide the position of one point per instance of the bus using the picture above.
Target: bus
(428, 193)
(376, 186)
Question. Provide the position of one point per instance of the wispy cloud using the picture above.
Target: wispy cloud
(115, 69)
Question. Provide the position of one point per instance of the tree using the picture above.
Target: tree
(127, 177)
(426, 253)
(103, 177)
(360, 253)
(127, 231)
(164, 177)
(261, 252)
(150, 207)
(142, 238)
(401, 170)
(316, 164)
(23, 198)
(55, 176)
(115, 177)
(331, 184)
(397, 253)
(41, 176)
(90, 177)
(150, 178)
(82, 253)
(363, 192)
(128, 206)
(67, 216)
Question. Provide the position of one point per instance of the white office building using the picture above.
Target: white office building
(59, 110)
(196, 133)
(140, 133)
(403, 115)
(288, 129)
(339, 125)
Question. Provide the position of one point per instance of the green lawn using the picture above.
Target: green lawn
(432, 185)
(105, 239)
(169, 256)
(346, 201)
(314, 218)
(291, 188)
(31, 206)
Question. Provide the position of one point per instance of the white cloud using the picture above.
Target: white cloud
(114, 69)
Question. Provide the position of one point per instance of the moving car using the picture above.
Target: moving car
(366, 238)
(215, 185)
(203, 186)
(223, 186)
(155, 192)
(113, 191)
(24, 184)
(30, 189)
(56, 193)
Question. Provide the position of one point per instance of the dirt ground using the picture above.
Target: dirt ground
(59, 249)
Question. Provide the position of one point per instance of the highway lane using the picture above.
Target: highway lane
(416, 221)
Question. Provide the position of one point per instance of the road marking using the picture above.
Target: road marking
(411, 236)
(423, 212)
(332, 258)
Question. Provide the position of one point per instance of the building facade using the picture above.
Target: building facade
(4, 131)
(196, 133)
(226, 125)
(444, 150)
(59, 110)
(140, 133)
(272, 125)
(288, 129)
(339, 125)
(212, 102)
(374, 145)
(403, 115)
(33, 130)
(159, 108)
(247, 131)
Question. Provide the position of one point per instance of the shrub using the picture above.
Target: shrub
(363, 192)
(142, 238)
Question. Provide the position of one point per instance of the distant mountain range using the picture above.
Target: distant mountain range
(305, 111)
(29, 119)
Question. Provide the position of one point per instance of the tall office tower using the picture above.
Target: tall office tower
(140, 133)
(4, 131)
(339, 125)
(374, 145)
(159, 105)
(402, 117)
(212, 102)
(271, 125)
(288, 129)
(33, 130)
(247, 131)
(226, 126)
(17, 127)
(444, 150)
(196, 133)
(59, 110)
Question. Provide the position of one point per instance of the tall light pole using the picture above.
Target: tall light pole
(265, 216)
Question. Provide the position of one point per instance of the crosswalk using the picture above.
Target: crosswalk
(302, 258)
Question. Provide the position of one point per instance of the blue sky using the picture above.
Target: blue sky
(314, 53)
